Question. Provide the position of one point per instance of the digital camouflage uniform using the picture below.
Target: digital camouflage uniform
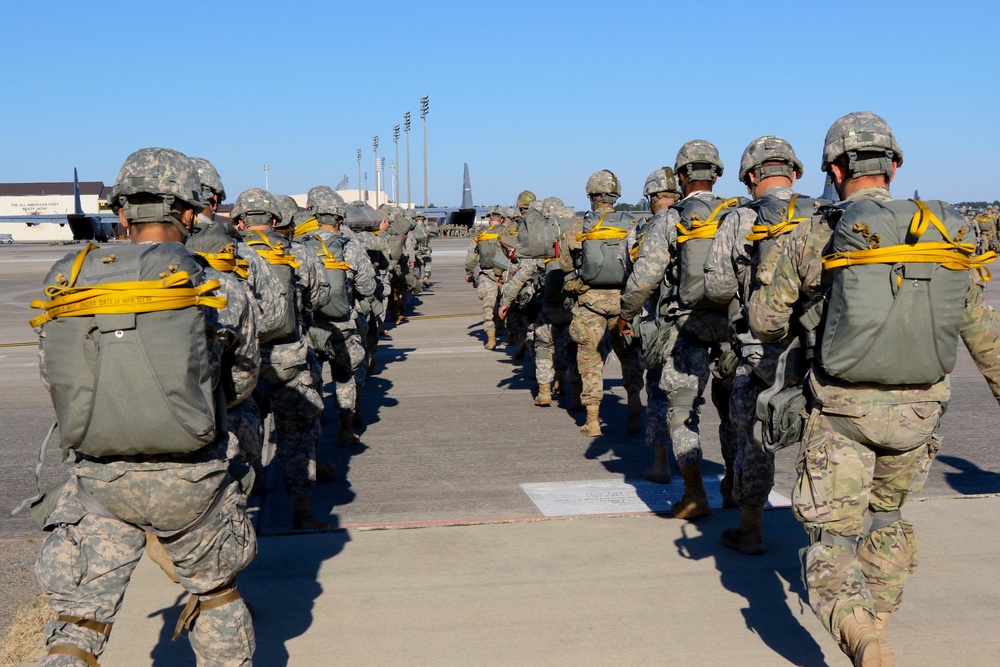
(487, 282)
(844, 480)
(692, 349)
(88, 557)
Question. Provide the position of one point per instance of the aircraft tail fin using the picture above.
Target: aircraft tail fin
(467, 190)
(76, 194)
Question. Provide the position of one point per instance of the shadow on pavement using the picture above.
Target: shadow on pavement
(968, 478)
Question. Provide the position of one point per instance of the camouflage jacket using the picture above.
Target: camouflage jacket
(527, 270)
(361, 273)
(798, 278)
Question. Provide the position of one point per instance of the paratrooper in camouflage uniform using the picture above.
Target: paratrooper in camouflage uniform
(486, 279)
(866, 447)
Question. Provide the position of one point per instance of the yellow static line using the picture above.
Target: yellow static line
(439, 317)
(17, 344)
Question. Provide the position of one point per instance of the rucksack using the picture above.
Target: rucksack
(897, 297)
(125, 347)
(218, 248)
(275, 248)
(698, 225)
(775, 217)
(598, 263)
(487, 247)
(537, 234)
(329, 248)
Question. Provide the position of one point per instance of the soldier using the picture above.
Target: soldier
(672, 259)
(662, 192)
(590, 248)
(484, 276)
(878, 382)
(748, 242)
(422, 258)
(152, 460)
(286, 362)
(524, 200)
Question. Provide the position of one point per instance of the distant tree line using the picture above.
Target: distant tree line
(643, 205)
(977, 204)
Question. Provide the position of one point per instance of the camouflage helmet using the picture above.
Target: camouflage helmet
(211, 183)
(862, 131)
(525, 198)
(604, 182)
(158, 171)
(695, 152)
(496, 209)
(419, 215)
(316, 192)
(767, 149)
(661, 180)
(256, 206)
(550, 205)
(512, 212)
(327, 202)
(288, 209)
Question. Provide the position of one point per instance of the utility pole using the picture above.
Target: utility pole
(424, 106)
(359, 174)
(267, 170)
(406, 125)
(395, 181)
(375, 148)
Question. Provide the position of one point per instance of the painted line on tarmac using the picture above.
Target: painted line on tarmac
(441, 317)
(34, 259)
(445, 350)
(17, 344)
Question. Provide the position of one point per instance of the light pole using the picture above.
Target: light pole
(375, 149)
(267, 170)
(359, 174)
(406, 126)
(380, 178)
(424, 106)
(395, 182)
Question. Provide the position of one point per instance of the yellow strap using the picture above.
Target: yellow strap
(787, 224)
(706, 229)
(310, 225)
(227, 262)
(275, 255)
(329, 261)
(549, 259)
(140, 296)
(952, 256)
(485, 237)
(601, 233)
(634, 252)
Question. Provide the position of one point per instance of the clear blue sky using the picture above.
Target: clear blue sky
(532, 95)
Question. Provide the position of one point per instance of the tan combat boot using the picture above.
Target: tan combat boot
(558, 384)
(861, 643)
(491, 340)
(592, 427)
(303, 518)
(880, 622)
(576, 397)
(660, 472)
(544, 396)
(726, 489)
(633, 422)
(746, 538)
(694, 504)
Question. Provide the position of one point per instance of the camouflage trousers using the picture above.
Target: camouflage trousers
(297, 411)
(341, 344)
(551, 342)
(246, 431)
(87, 559)
(594, 315)
(754, 466)
(686, 371)
(489, 292)
(424, 265)
(844, 481)
(657, 431)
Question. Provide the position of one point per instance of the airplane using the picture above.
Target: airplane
(465, 215)
(83, 226)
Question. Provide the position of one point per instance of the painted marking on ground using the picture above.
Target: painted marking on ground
(18, 344)
(441, 317)
(446, 350)
(608, 496)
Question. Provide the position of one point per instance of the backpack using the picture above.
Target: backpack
(598, 263)
(274, 248)
(217, 247)
(775, 217)
(698, 225)
(329, 248)
(126, 353)
(487, 247)
(897, 297)
(537, 234)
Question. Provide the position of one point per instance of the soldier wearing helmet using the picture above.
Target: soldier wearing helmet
(524, 200)
(590, 249)
(286, 360)
(122, 490)
(748, 241)
(481, 270)
(870, 436)
(696, 344)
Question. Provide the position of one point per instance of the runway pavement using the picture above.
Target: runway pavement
(559, 560)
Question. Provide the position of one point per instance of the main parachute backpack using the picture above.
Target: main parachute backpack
(329, 248)
(274, 248)
(214, 244)
(126, 357)
(775, 218)
(487, 246)
(900, 278)
(598, 263)
(698, 225)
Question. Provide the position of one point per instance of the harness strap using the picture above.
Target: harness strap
(787, 224)
(275, 255)
(704, 229)
(876, 521)
(601, 233)
(76, 652)
(99, 627)
(227, 262)
(310, 225)
(195, 605)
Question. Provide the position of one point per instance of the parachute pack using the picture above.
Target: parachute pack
(329, 248)
(775, 218)
(487, 247)
(274, 248)
(217, 247)
(900, 279)
(598, 263)
(537, 234)
(698, 225)
(126, 357)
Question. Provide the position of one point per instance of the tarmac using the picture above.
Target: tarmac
(476, 529)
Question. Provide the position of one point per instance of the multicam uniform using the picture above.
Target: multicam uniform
(487, 281)
(844, 480)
